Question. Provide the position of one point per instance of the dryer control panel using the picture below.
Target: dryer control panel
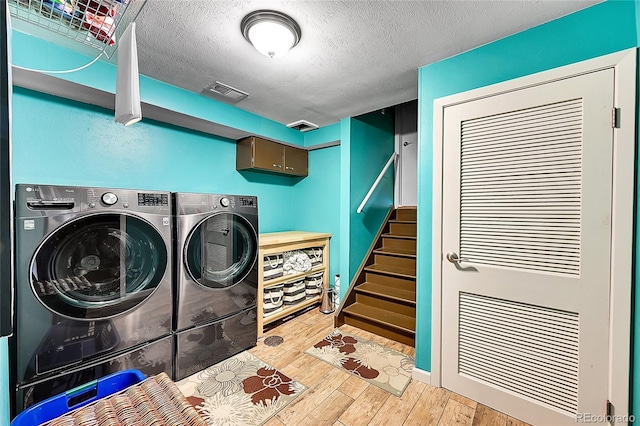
(149, 199)
(247, 202)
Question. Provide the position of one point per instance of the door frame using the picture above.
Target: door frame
(623, 201)
(399, 136)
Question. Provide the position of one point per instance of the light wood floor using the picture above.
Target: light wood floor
(338, 398)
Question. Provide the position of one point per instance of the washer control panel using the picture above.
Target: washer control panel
(149, 199)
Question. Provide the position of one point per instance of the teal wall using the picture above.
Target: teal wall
(598, 30)
(4, 381)
(345, 200)
(316, 205)
(370, 144)
(330, 133)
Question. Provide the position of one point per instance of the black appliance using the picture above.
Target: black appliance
(93, 283)
(216, 278)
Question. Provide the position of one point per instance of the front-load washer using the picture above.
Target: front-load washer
(216, 278)
(93, 282)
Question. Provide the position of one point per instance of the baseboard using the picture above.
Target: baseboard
(421, 375)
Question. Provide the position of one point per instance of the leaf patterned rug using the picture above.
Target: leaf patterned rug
(241, 390)
(386, 368)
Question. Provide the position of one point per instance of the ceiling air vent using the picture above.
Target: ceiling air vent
(302, 125)
(225, 92)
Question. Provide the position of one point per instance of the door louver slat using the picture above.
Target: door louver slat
(500, 143)
(526, 349)
(524, 156)
(525, 180)
(497, 147)
(531, 241)
(520, 176)
(542, 110)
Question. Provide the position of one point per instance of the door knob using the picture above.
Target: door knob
(454, 258)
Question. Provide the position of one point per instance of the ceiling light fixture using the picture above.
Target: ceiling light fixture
(271, 33)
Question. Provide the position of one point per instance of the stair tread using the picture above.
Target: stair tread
(399, 236)
(399, 294)
(382, 316)
(395, 270)
(396, 252)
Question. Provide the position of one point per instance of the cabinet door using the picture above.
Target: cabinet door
(295, 161)
(267, 155)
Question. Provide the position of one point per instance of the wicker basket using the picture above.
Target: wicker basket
(156, 401)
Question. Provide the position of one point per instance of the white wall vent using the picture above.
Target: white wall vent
(225, 92)
(302, 125)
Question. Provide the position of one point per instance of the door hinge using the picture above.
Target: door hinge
(615, 118)
(610, 409)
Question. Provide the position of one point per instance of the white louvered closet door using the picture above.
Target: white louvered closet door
(527, 207)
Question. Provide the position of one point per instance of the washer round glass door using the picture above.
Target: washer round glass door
(221, 250)
(98, 266)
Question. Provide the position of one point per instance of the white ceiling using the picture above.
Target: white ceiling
(354, 56)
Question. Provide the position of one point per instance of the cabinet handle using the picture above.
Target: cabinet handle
(289, 168)
(277, 165)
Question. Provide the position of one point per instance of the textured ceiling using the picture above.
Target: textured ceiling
(354, 56)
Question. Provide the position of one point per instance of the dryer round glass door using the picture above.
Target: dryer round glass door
(98, 266)
(221, 250)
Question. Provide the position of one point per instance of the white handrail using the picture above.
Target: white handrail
(378, 179)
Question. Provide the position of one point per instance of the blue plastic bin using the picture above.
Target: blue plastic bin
(60, 405)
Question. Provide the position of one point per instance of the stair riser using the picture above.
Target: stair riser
(382, 298)
(380, 330)
(387, 305)
(406, 214)
(405, 284)
(401, 262)
(393, 243)
(402, 229)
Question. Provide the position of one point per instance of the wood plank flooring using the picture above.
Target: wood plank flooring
(337, 398)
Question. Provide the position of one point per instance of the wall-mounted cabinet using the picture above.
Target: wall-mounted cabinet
(254, 153)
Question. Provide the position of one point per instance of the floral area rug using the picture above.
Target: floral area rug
(383, 367)
(241, 390)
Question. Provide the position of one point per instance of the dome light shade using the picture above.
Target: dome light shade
(271, 33)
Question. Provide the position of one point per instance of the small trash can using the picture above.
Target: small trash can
(326, 307)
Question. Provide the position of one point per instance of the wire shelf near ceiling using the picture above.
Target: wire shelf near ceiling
(93, 23)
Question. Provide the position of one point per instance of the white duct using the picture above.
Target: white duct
(128, 109)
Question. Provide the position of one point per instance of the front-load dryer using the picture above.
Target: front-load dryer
(216, 278)
(93, 283)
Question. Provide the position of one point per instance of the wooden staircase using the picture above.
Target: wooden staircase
(382, 296)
